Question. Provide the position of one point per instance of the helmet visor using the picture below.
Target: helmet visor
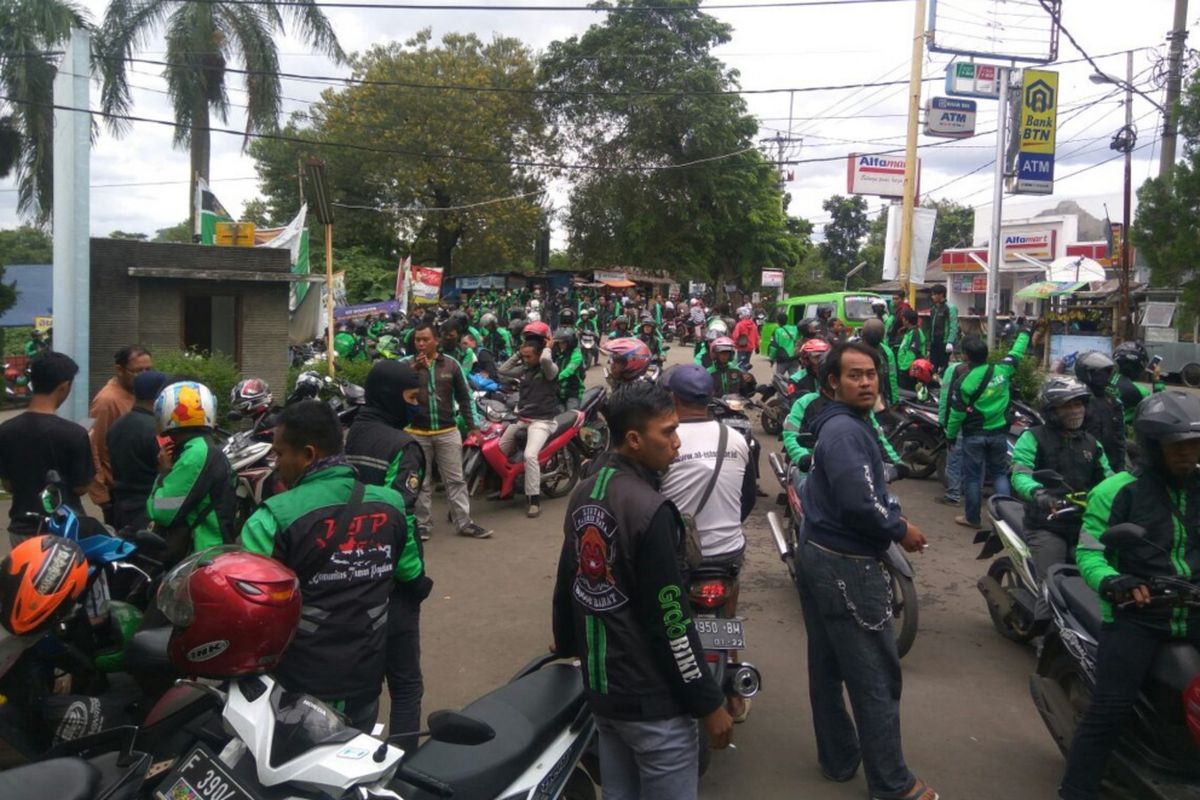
(174, 595)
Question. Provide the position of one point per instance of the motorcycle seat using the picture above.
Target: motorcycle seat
(1011, 512)
(526, 715)
(60, 778)
(1083, 602)
(146, 651)
(591, 396)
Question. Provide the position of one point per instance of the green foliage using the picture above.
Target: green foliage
(15, 339)
(472, 139)
(873, 251)
(257, 211)
(844, 234)
(25, 245)
(1027, 378)
(217, 371)
(954, 227)
(180, 234)
(368, 277)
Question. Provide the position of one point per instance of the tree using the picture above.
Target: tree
(30, 32)
(673, 180)
(445, 169)
(1163, 231)
(955, 226)
(25, 245)
(133, 237)
(202, 38)
(873, 251)
(844, 234)
(179, 234)
(258, 212)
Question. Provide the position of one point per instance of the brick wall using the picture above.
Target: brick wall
(149, 311)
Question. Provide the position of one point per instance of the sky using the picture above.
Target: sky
(789, 48)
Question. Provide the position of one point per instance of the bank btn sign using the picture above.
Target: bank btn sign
(877, 175)
(1035, 244)
(1035, 133)
(950, 118)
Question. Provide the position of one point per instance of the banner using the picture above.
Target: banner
(922, 239)
(772, 278)
(1035, 133)
(366, 310)
(426, 284)
(209, 212)
(293, 237)
(402, 276)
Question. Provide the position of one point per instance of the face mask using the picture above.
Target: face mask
(1071, 420)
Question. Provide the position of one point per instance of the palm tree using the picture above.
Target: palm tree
(202, 38)
(30, 30)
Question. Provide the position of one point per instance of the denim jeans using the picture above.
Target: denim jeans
(954, 470)
(980, 450)
(847, 616)
(654, 760)
(743, 359)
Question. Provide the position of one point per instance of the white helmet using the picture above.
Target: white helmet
(535, 304)
(186, 404)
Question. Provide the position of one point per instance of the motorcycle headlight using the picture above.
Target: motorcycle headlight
(736, 404)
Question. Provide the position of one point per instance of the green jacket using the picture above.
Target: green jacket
(912, 346)
(988, 413)
(199, 493)
(726, 381)
(794, 424)
(944, 395)
(783, 343)
(570, 374)
(951, 324)
(891, 389)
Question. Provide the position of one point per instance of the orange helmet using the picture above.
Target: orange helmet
(814, 348)
(40, 580)
(921, 370)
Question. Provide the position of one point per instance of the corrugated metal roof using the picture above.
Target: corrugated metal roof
(35, 293)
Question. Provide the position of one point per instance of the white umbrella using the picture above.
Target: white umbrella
(1074, 269)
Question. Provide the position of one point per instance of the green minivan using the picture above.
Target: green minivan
(852, 308)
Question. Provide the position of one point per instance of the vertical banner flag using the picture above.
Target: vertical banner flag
(1034, 173)
(402, 271)
(209, 212)
(426, 284)
(924, 220)
(294, 238)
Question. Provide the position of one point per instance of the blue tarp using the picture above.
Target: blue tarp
(35, 293)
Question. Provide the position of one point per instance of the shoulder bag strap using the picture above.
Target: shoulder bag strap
(712, 479)
(982, 387)
(341, 529)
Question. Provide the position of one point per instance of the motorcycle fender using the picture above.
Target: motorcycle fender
(894, 558)
(991, 546)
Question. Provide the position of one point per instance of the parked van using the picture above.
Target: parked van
(852, 308)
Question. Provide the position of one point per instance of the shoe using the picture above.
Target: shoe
(843, 779)
(423, 533)
(946, 501)
(474, 531)
(535, 508)
(961, 520)
(920, 791)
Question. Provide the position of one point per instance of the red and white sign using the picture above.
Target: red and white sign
(426, 284)
(877, 175)
(1037, 244)
(772, 278)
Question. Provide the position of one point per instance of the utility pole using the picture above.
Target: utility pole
(910, 153)
(1177, 37)
(996, 241)
(1127, 145)
(781, 143)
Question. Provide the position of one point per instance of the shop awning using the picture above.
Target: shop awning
(619, 284)
(1044, 289)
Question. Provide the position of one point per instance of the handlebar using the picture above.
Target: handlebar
(1167, 590)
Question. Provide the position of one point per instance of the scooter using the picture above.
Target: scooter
(730, 410)
(778, 399)
(591, 350)
(560, 458)
(533, 738)
(789, 539)
(1158, 756)
(593, 435)
(101, 767)
(254, 464)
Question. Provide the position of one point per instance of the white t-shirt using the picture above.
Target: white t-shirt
(719, 523)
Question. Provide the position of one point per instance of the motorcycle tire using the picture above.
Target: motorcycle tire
(922, 459)
(565, 465)
(905, 611)
(772, 417)
(1003, 573)
(1063, 671)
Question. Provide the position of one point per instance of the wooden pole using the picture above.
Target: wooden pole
(910, 154)
(329, 352)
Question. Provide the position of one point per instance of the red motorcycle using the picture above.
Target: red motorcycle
(561, 458)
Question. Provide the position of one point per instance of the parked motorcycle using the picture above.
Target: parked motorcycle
(778, 399)
(100, 767)
(788, 539)
(560, 458)
(1158, 756)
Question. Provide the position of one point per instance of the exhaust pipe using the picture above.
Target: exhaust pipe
(744, 680)
(781, 544)
(778, 468)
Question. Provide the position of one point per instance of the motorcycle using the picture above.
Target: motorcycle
(532, 738)
(593, 435)
(1012, 587)
(252, 461)
(560, 458)
(101, 767)
(1158, 755)
(730, 410)
(590, 345)
(778, 399)
(905, 607)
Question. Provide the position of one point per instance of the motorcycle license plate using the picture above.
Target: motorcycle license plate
(720, 634)
(201, 776)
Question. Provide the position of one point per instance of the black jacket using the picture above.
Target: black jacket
(133, 452)
(847, 507)
(384, 455)
(620, 603)
(1105, 420)
(537, 386)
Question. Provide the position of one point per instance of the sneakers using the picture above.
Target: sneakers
(423, 533)
(535, 508)
(945, 500)
(474, 531)
(962, 520)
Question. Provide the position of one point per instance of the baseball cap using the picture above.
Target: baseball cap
(691, 383)
(147, 385)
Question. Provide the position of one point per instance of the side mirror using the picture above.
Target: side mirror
(452, 727)
(1048, 478)
(1123, 535)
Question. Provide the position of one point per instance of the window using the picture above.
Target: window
(211, 323)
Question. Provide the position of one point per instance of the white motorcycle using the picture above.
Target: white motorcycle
(530, 739)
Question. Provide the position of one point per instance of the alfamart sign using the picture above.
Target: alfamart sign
(877, 175)
(1035, 244)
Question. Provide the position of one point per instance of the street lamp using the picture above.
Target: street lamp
(1124, 142)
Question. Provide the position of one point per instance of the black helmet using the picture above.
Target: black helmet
(566, 317)
(781, 318)
(567, 337)
(1131, 358)
(809, 326)
(1060, 389)
(1094, 368)
(1167, 417)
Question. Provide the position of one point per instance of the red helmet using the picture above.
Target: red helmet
(628, 359)
(251, 396)
(40, 580)
(539, 329)
(234, 612)
(814, 348)
(722, 344)
(921, 370)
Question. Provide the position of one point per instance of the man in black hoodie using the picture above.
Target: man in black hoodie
(384, 455)
(850, 521)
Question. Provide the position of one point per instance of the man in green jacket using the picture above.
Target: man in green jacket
(782, 349)
(194, 499)
(1163, 497)
(943, 328)
(571, 369)
(350, 545)
(889, 387)
(912, 346)
(978, 408)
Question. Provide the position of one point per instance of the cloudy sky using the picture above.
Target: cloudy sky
(788, 48)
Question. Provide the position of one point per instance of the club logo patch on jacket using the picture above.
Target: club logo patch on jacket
(595, 531)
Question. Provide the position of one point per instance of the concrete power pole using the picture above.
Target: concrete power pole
(910, 154)
(1177, 37)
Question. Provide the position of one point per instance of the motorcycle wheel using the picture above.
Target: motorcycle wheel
(917, 447)
(1065, 674)
(905, 611)
(1003, 573)
(579, 787)
(772, 417)
(563, 472)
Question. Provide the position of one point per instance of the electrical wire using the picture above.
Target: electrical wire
(592, 9)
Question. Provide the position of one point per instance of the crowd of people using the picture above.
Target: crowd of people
(357, 508)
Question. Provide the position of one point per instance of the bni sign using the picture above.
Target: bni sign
(877, 175)
(950, 118)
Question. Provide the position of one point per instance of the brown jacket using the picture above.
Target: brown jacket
(110, 404)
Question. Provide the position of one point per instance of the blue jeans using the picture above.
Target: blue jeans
(743, 359)
(847, 617)
(653, 760)
(954, 470)
(982, 450)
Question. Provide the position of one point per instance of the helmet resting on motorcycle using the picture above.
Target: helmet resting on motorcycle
(921, 370)
(185, 405)
(628, 359)
(40, 580)
(1094, 369)
(251, 396)
(233, 613)
(1131, 359)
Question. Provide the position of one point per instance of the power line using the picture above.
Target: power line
(586, 9)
